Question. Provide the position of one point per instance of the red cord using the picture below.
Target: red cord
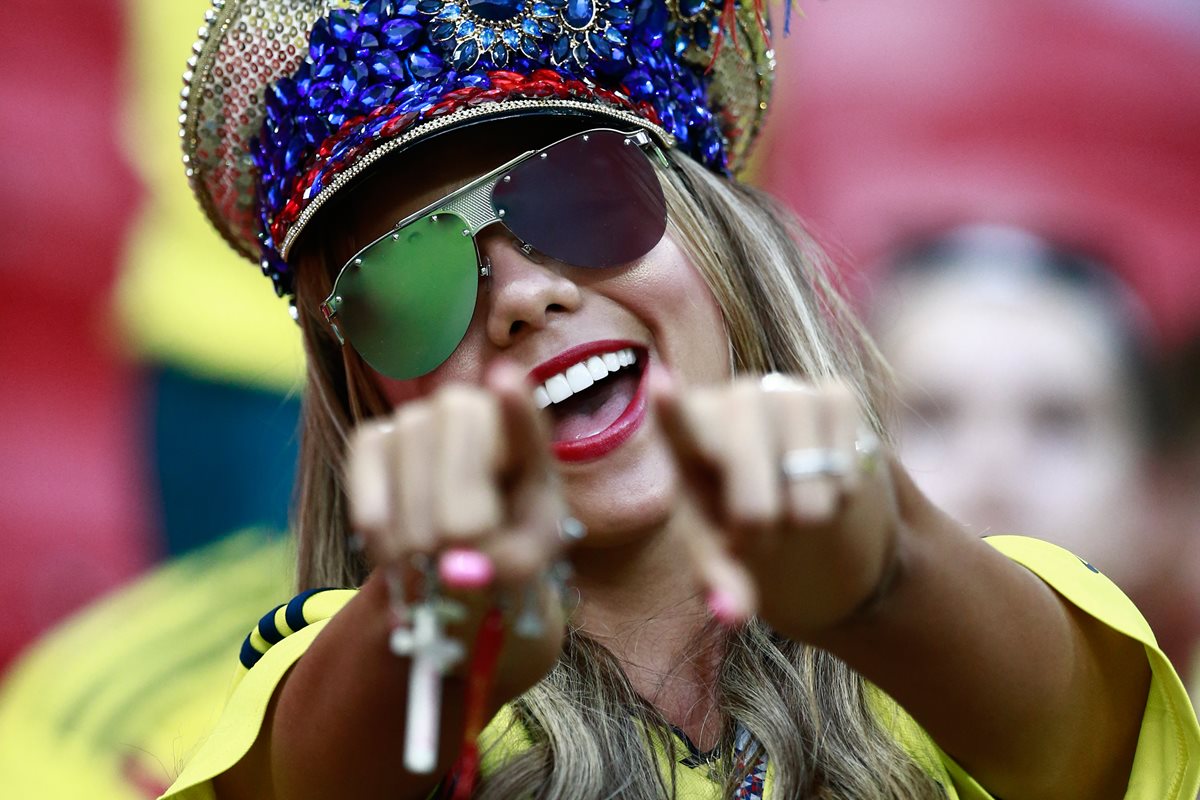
(480, 679)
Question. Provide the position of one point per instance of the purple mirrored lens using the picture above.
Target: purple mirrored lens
(593, 200)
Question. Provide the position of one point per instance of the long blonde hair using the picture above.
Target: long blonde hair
(592, 736)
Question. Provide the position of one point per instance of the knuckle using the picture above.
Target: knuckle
(460, 399)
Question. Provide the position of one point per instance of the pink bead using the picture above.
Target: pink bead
(460, 568)
(725, 608)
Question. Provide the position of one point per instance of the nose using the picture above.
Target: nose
(525, 290)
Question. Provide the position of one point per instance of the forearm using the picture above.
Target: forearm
(1033, 697)
(336, 724)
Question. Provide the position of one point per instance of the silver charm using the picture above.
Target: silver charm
(431, 654)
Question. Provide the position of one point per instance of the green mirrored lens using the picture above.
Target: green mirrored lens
(407, 305)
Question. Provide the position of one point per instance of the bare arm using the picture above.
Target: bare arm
(466, 469)
(335, 727)
(1032, 696)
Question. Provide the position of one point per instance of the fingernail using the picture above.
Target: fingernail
(725, 608)
(460, 568)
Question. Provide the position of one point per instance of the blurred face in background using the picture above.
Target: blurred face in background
(1016, 412)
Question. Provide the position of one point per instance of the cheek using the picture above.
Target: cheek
(672, 299)
(463, 366)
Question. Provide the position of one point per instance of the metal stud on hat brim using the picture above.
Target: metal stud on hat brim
(285, 102)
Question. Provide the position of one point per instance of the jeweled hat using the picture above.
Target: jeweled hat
(286, 101)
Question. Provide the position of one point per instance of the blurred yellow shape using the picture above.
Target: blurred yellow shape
(186, 298)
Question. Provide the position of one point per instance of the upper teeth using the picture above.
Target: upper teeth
(580, 376)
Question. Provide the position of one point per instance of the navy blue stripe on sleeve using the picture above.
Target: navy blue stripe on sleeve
(294, 616)
(249, 656)
(267, 627)
(271, 634)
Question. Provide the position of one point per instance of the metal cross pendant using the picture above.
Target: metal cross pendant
(432, 654)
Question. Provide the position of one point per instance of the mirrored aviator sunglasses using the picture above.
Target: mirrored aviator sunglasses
(593, 200)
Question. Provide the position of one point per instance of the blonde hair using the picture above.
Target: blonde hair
(590, 732)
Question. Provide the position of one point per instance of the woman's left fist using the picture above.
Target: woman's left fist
(797, 507)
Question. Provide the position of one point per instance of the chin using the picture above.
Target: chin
(620, 501)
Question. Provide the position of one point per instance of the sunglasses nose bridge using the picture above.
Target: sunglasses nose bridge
(497, 234)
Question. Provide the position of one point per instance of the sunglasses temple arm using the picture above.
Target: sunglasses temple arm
(329, 309)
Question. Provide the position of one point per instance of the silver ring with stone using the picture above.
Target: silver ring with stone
(867, 446)
(815, 462)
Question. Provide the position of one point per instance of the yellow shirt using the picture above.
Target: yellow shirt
(1166, 765)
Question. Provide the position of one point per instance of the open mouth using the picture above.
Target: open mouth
(595, 403)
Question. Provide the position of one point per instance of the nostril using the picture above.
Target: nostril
(516, 327)
(555, 307)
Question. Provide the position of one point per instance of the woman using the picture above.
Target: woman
(1029, 399)
(536, 305)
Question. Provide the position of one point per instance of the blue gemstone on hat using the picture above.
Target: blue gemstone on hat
(285, 92)
(425, 64)
(618, 15)
(701, 37)
(690, 8)
(322, 94)
(500, 54)
(354, 77)
(487, 38)
(495, 10)
(639, 84)
(386, 64)
(442, 31)
(365, 42)
(314, 130)
(561, 49)
(579, 13)
(407, 8)
(530, 28)
(511, 38)
(320, 40)
(342, 24)
(429, 6)
(599, 46)
(401, 34)
(451, 11)
(371, 12)
(580, 53)
(331, 64)
(466, 54)
(613, 35)
(530, 48)
(465, 29)
(294, 152)
(543, 11)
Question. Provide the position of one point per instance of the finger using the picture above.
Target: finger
(530, 542)
(728, 587)
(368, 487)
(798, 418)
(466, 496)
(749, 469)
(411, 451)
(843, 421)
(683, 420)
(525, 440)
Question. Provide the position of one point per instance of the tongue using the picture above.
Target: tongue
(594, 409)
